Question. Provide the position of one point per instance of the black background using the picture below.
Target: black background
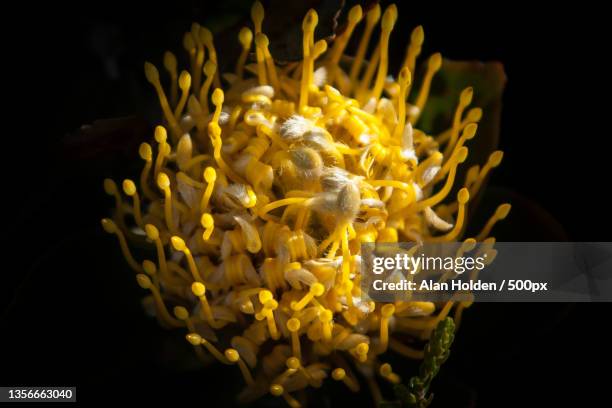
(70, 308)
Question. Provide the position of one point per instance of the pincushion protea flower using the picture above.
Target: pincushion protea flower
(256, 199)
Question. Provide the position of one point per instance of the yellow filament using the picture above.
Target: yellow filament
(184, 84)
(210, 176)
(269, 60)
(195, 339)
(208, 223)
(462, 198)
(153, 77)
(163, 182)
(388, 21)
(500, 213)
(440, 195)
(385, 314)
(293, 325)
(316, 289)
(404, 82)
(110, 227)
(494, 160)
(354, 16)
(372, 18)
(464, 100)
(146, 154)
(277, 390)
(179, 244)
(433, 66)
(308, 28)
(145, 283)
(246, 38)
(209, 70)
(339, 374)
(129, 188)
(233, 357)
(170, 64)
(414, 49)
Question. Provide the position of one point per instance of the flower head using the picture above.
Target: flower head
(262, 183)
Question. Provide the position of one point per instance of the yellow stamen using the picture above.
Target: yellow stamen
(315, 290)
(372, 17)
(179, 244)
(387, 24)
(246, 38)
(433, 66)
(500, 213)
(153, 77)
(184, 84)
(110, 227)
(233, 357)
(130, 189)
(385, 314)
(163, 182)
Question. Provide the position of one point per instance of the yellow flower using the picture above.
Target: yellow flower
(256, 202)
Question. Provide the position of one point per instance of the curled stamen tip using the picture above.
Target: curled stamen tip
(161, 135)
(496, 158)
(108, 225)
(151, 73)
(232, 355)
(163, 181)
(502, 211)
(207, 220)
(129, 187)
(463, 195)
(181, 313)
(145, 151)
(198, 289)
(151, 231)
(194, 338)
(143, 281)
(178, 243)
(109, 186)
(277, 390)
(149, 267)
(338, 374)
